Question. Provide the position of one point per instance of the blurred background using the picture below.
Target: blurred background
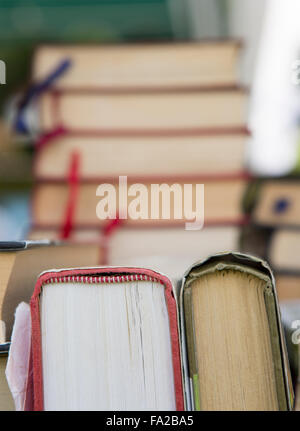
(268, 66)
(271, 40)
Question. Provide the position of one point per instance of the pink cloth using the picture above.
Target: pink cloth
(17, 369)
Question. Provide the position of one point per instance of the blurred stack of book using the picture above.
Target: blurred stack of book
(155, 114)
(158, 114)
(273, 232)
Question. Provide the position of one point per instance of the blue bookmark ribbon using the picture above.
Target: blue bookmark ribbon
(36, 90)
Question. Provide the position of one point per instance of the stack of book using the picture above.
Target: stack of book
(155, 114)
(160, 114)
(125, 338)
(273, 232)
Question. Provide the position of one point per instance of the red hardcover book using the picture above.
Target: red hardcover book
(121, 354)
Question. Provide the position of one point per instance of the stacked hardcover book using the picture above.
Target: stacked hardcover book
(122, 336)
(125, 338)
(273, 232)
(160, 114)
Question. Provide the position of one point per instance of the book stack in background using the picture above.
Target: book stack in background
(274, 234)
(165, 113)
(274, 230)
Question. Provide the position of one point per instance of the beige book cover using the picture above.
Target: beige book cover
(222, 202)
(274, 202)
(235, 352)
(186, 155)
(155, 112)
(142, 65)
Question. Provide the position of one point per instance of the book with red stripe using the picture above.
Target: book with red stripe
(185, 155)
(222, 201)
(156, 113)
(109, 327)
(141, 65)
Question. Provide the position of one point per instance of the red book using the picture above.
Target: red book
(105, 339)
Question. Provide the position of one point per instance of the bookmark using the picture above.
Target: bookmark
(73, 182)
(35, 91)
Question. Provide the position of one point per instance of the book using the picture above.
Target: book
(186, 155)
(280, 247)
(275, 202)
(284, 250)
(128, 357)
(236, 352)
(22, 261)
(272, 205)
(228, 353)
(222, 202)
(211, 64)
(169, 250)
(154, 112)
